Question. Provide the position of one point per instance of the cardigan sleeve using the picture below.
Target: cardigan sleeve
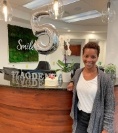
(109, 107)
(75, 75)
(72, 79)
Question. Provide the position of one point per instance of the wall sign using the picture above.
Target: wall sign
(20, 41)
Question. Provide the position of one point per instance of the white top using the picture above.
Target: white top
(86, 92)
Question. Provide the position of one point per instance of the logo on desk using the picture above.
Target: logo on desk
(27, 79)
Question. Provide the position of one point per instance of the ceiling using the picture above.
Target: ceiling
(70, 9)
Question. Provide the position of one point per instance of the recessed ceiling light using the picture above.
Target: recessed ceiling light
(36, 3)
(39, 3)
(82, 16)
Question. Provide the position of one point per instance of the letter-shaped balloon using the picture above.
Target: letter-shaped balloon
(44, 29)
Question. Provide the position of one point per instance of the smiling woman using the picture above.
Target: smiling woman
(92, 89)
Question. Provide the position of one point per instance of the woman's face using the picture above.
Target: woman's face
(90, 57)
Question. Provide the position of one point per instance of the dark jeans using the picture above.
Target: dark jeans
(83, 120)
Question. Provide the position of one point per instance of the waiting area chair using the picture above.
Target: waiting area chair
(1, 70)
(75, 67)
(43, 65)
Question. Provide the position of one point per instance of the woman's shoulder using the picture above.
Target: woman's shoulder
(103, 76)
(77, 73)
(79, 70)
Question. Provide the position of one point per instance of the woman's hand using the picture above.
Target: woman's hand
(70, 86)
(104, 131)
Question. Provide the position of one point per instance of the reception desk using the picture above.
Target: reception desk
(34, 109)
(37, 109)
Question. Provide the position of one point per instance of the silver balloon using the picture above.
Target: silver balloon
(44, 30)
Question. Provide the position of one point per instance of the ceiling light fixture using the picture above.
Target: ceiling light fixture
(56, 9)
(108, 15)
(82, 16)
(5, 11)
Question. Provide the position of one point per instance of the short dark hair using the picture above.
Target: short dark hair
(92, 45)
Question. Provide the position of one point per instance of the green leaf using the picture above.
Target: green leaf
(64, 67)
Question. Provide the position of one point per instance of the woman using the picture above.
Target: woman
(93, 95)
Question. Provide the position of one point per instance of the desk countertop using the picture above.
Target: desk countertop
(32, 83)
(28, 83)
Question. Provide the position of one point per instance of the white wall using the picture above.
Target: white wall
(52, 58)
(112, 40)
(3, 45)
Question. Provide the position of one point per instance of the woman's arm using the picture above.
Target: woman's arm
(70, 86)
(73, 81)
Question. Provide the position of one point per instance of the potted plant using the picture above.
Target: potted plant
(110, 69)
(66, 70)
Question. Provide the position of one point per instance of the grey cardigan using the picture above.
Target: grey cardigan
(102, 115)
